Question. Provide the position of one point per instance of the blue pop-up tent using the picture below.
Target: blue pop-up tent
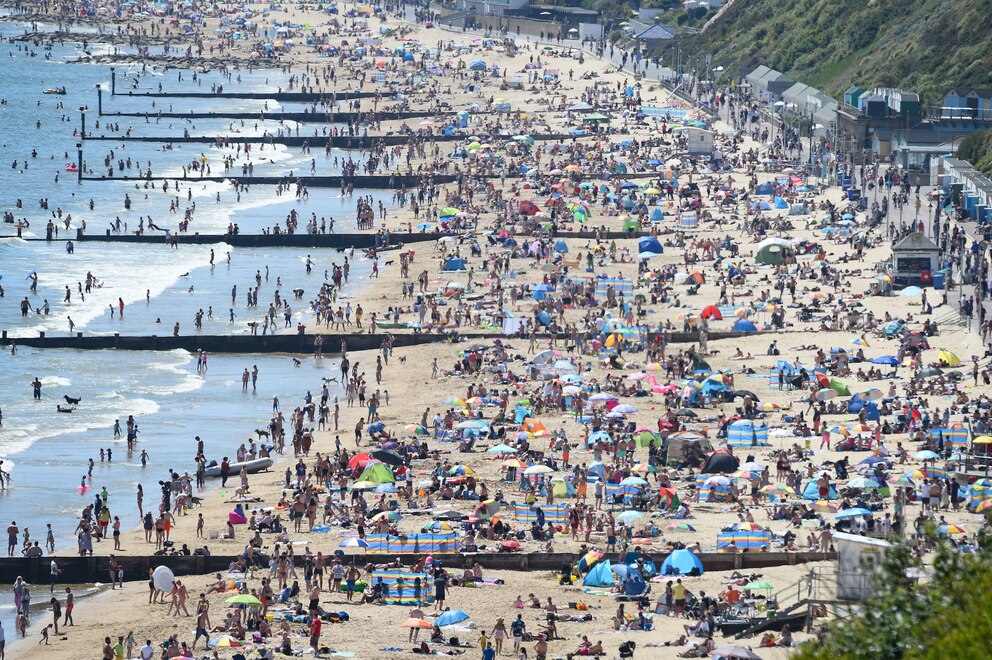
(811, 491)
(743, 325)
(682, 562)
(650, 244)
(454, 264)
(601, 575)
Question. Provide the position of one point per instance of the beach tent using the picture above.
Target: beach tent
(743, 325)
(764, 189)
(601, 575)
(377, 473)
(650, 244)
(477, 65)
(811, 491)
(682, 562)
(531, 425)
(840, 388)
(720, 462)
(772, 251)
(781, 203)
(747, 433)
(454, 264)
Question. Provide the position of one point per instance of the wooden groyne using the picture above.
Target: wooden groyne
(87, 570)
(314, 141)
(292, 344)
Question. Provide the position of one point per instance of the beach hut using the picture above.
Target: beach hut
(682, 562)
(601, 575)
(747, 433)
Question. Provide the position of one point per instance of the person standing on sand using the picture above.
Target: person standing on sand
(69, 604)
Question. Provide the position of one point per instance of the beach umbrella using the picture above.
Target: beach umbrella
(886, 359)
(224, 641)
(450, 618)
(448, 211)
(826, 394)
(514, 463)
(387, 456)
(855, 512)
(353, 543)
(487, 509)
(644, 468)
(873, 394)
(630, 516)
(438, 526)
(472, 423)
(926, 455)
(416, 623)
(758, 586)
(537, 469)
(416, 429)
(982, 440)
(244, 599)
(864, 483)
(823, 506)
(391, 516)
(589, 560)
(461, 470)
(681, 526)
(747, 526)
(633, 481)
(363, 485)
(911, 292)
(779, 489)
(952, 529)
(501, 449)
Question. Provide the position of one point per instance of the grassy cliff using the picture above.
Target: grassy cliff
(926, 46)
(977, 150)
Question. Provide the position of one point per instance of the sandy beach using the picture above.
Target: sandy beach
(596, 315)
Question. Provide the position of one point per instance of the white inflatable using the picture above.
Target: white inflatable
(163, 578)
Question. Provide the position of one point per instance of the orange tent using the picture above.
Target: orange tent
(531, 425)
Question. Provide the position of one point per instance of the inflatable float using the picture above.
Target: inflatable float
(257, 465)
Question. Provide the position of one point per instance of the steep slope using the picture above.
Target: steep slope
(925, 46)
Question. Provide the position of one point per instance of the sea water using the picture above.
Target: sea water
(46, 451)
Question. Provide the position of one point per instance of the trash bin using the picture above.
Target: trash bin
(938, 279)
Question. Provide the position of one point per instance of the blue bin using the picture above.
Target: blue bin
(938, 279)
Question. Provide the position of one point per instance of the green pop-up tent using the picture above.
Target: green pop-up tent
(840, 388)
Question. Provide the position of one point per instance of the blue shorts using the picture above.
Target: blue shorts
(349, 585)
